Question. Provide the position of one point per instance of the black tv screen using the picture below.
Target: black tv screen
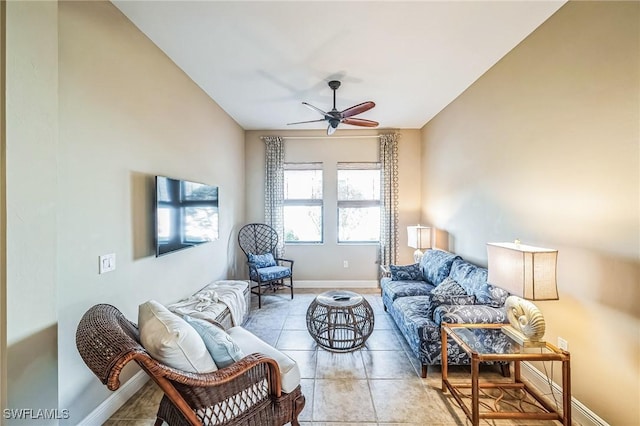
(186, 214)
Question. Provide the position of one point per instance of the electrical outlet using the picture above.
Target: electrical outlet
(107, 263)
(563, 344)
(345, 263)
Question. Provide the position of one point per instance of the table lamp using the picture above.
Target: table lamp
(419, 238)
(527, 273)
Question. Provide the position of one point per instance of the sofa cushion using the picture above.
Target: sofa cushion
(449, 292)
(396, 289)
(220, 345)
(249, 343)
(449, 287)
(170, 340)
(469, 314)
(262, 260)
(497, 296)
(406, 272)
(473, 279)
(271, 273)
(436, 265)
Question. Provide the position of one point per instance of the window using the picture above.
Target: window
(358, 202)
(303, 203)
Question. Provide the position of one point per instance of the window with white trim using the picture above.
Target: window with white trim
(303, 203)
(358, 202)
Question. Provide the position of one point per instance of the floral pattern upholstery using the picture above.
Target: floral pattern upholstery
(406, 272)
(261, 260)
(435, 265)
(270, 273)
(419, 307)
(394, 289)
(469, 314)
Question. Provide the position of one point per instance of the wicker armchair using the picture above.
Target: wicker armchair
(247, 392)
(261, 239)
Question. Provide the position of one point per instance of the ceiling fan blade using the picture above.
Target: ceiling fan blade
(357, 109)
(303, 122)
(315, 108)
(360, 122)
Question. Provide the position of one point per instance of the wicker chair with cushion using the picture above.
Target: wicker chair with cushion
(258, 242)
(247, 392)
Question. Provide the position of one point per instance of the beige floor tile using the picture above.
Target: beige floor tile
(308, 388)
(296, 340)
(332, 365)
(396, 401)
(383, 340)
(295, 322)
(143, 405)
(387, 365)
(306, 360)
(342, 400)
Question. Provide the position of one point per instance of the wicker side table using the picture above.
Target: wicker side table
(340, 320)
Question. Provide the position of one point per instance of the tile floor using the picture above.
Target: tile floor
(375, 386)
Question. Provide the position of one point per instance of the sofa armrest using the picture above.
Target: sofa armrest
(470, 314)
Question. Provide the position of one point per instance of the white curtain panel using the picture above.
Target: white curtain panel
(389, 199)
(274, 188)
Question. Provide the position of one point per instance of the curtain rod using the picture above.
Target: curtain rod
(326, 137)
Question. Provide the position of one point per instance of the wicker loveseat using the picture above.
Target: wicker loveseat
(418, 309)
(247, 392)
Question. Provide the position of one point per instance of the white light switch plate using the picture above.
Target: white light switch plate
(107, 263)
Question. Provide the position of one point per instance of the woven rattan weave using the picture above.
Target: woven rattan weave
(259, 238)
(247, 392)
(340, 320)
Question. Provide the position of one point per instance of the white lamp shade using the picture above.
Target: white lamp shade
(525, 271)
(419, 237)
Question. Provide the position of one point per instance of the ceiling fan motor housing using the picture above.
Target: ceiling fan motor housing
(335, 117)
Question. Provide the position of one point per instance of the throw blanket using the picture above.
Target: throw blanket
(209, 302)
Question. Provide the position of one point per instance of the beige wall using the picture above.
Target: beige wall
(95, 110)
(324, 262)
(3, 216)
(31, 191)
(544, 147)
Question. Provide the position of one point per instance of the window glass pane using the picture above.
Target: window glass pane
(302, 184)
(303, 224)
(358, 184)
(361, 224)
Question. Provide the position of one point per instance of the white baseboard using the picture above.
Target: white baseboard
(579, 412)
(336, 284)
(110, 405)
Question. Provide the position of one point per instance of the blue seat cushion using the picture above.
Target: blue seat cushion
(396, 289)
(271, 273)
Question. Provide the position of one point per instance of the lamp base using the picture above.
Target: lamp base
(526, 323)
(521, 339)
(417, 256)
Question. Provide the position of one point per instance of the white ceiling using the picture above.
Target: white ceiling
(260, 60)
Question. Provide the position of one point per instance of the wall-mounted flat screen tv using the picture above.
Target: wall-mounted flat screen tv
(186, 214)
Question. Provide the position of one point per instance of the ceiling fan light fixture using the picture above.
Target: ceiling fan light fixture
(335, 117)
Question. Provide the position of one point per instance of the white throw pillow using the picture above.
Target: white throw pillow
(170, 340)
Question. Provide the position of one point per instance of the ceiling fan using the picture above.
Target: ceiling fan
(335, 117)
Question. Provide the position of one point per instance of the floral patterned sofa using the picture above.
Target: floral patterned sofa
(443, 287)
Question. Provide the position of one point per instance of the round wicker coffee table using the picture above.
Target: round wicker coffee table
(340, 320)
